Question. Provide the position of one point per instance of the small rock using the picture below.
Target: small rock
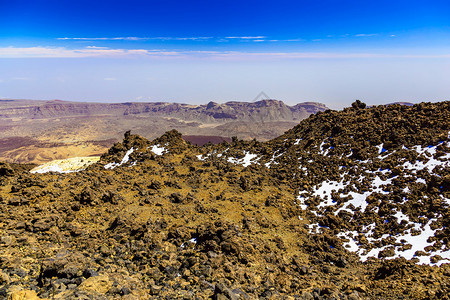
(125, 291)
(24, 295)
(222, 292)
(354, 296)
(4, 278)
(100, 284)
(306, 296)
(89, 273)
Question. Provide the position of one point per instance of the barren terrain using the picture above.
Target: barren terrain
(41, 131)
(350, 204)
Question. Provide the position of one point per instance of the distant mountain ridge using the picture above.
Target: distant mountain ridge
(264, 110)
(39, 131)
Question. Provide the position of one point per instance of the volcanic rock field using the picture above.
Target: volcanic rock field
(350, 204)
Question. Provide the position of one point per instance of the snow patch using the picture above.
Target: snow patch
(125, 159)
(158, 149)
(246, 161)
(417, 237)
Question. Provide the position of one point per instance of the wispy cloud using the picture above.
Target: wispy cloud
(61, 52)
(144, 98)
(365, 34)
(49, 52)
(134, 38)
(286, 40)
(164, 38)
(95, 47)
(110, 79)
(258, 37)
(249, 38)
(293, 40)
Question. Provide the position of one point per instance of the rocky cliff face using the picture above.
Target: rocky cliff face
(347, 205)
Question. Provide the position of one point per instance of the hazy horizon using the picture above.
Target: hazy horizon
(295, 51)
(220, 102)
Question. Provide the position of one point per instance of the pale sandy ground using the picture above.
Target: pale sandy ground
(66, 165)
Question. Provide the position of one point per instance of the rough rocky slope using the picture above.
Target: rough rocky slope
(347, 205)
(41, 131)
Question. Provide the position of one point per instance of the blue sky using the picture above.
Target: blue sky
(331, 51)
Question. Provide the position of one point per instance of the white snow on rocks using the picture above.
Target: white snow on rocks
(125, 159)
(446, 200)
(421, 180)
(193, 241)
(400, 216)
(350, 244)
(301, 202)
(272, 160)
(325, 190)
(158, 149)
(323, 151)
(418, 237)
(412, 240)
(297, 141)
(246, 161)
(430, 164)
(314, 228)
(214, 153)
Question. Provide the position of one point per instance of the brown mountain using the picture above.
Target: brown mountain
(38, 131)
(264, 110)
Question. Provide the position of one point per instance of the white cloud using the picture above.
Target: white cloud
(190, 38)
(129, 38)
(200, 38)
(366, 34)
(16, 52)
(144, 98)
(258, 37)
(109, 79)
(61, 52)
(134, 38)
(95, 47)
(288, 40)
